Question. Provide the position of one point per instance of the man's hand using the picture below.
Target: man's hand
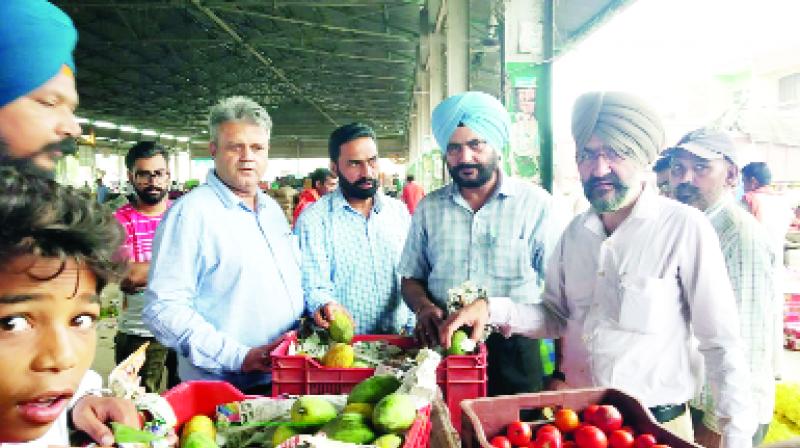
(91, 415)
(258, 359)
(324, 315)
(474, 315)
(429, 318)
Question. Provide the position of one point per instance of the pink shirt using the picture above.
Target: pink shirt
(139, 232)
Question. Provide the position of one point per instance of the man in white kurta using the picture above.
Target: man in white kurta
(632, 280)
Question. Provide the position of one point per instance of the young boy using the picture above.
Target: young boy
(56, 250)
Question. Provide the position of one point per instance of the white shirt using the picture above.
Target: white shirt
(58, 434)
(627, 305)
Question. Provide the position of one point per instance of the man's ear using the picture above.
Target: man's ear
(212, 149)
(334, 168)
(731, 175)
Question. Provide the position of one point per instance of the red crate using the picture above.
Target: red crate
(460, 377)
(202, 397)
(485, 418)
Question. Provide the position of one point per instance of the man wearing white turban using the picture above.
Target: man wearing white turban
(633, 281)
(485, 227)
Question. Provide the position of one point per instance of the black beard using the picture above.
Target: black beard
(149, 199)
(352, 190)
(27, 164)
(484, 174)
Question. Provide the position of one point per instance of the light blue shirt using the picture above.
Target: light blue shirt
(503, 246)
(223, 279)
(352, 260)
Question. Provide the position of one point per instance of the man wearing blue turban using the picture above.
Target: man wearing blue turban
(485, 227)
(37, 85)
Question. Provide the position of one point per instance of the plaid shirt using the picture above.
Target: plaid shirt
(503, 246)
(352, 260)
(751, 266)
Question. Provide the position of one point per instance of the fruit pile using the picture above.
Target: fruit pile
(785, 423)
(602, 427)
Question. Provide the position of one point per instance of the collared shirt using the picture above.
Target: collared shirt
(223, 279)
(751, 268)
(628, 304)
(502, 246)
(352, 260)
(140, 229)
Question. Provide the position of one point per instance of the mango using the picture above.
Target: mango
(127, 434)
(200, 423)
(364, 409)
(395, 413)
(312, 411)
(339, 355)
(281, 434)
(349, 427)
(198, 440)
(372, 389)
(455, 344)
(341, 329)
(388, 441)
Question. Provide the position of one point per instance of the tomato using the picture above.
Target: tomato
(500, 442)
(607, 418)
(567, 420)
(620, 439)
(548, 429)
(569, 444)
(548, 440)
(588, 436)
(629, 429)
(644, 441)
(661, 446)
(518, 433)
(589, 412)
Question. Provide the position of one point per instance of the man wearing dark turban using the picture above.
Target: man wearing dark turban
(633, 282)
(487, 228)
(37, 85)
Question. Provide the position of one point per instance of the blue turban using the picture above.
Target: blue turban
(480, 112)
(36, 40)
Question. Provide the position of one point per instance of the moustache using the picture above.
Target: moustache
(467, 166)
(607, 179)
(365, 181)
(686, 190)
(68, 146)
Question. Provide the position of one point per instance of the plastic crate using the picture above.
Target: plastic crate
(202, 397)
(791, 333)
(459, 376)
(485, 418)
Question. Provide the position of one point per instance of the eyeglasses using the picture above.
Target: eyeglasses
(146, 176)
(474, 144)
(609, 154)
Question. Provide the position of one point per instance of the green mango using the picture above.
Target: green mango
(198, 440)
(455, 343)
(372, 389)
(388, 441)
(341, 329)
(282, 433)
(349, 427)
(312, 411)
(395, 413)
(127, 434)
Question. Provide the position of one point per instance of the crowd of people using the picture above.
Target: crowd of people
(667, 290)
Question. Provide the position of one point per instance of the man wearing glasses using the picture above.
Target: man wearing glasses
(486, 227)
(148, 173)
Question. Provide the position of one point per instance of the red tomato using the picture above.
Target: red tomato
(518, 433)
(661, 446)
(607, 418)
(500, 442)
(629, 429)
(589, 412)
(620, 439)
(567, 420)
(588, 436)
(569, 444)
(548, 429)
(548, 440)
(644, 441)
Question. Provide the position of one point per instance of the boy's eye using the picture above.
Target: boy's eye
(14, 324)
(85, 321)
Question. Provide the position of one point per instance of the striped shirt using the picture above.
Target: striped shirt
(352, 260)
(751, 266)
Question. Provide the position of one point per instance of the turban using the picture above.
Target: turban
(624, 123)
(36, 41)
(480, 112)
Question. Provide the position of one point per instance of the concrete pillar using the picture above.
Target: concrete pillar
(457, 32)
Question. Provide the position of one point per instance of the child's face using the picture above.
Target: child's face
(47, 341)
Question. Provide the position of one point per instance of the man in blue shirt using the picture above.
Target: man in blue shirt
(224, 279)
(486, 227)
(351, 241)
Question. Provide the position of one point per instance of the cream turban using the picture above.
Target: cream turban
(624, 122)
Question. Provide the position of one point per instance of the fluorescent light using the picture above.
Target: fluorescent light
(170, 136)
(182, 139)
(81, 120)
(149, 132)
(198, 142)
(127, 128)
(104, 124)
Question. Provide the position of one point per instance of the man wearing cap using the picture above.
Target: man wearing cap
(37, 85)
(703, 174)
(486, 227)
(633, 281)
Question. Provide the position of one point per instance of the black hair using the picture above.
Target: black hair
(410, 178)
(759, 171)
(144, 150)
(347, 133)
(42, 218)
(661, 164)
(319, 175)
